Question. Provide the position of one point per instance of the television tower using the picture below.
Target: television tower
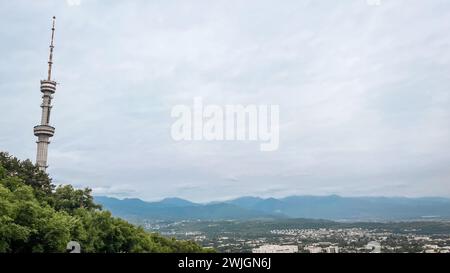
(44, 131)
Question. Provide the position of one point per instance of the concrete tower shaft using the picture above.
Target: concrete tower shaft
(44, 131)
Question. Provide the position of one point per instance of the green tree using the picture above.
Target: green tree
(68, 199)
(36, 216)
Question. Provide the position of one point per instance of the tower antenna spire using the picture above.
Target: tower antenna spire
(50, 58)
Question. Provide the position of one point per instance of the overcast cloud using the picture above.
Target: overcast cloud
(364, 94)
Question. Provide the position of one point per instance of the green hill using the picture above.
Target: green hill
(37, 216)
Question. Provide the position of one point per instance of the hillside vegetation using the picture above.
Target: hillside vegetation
(37, 216)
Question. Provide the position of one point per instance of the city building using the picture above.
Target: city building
(332, 249)
(276, 249)
(313, 249)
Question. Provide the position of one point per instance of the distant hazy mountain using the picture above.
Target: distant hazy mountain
(177, 209)
(350, 208)
(313, 207)
(177, 202)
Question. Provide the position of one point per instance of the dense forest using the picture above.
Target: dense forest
(37, 216)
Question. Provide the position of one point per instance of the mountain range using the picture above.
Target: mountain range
(331, 207)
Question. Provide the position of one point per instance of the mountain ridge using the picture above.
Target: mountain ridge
(331, 207)
(167, 210)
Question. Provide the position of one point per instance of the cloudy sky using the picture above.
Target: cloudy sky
(363, 90)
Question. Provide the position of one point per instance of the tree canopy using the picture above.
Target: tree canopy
(37, 216)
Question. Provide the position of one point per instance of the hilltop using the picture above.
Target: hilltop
(37, 216)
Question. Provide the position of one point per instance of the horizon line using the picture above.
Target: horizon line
(267, 198)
